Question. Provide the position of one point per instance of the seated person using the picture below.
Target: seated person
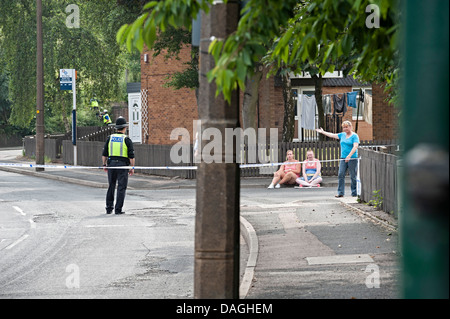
(287, 173)
(311, 171)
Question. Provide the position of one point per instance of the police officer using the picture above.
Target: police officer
(94, 106)
(118, 151)
(106, 118)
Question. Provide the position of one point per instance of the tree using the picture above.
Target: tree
(331, 34)
(171, 42)
(344, 42)
(18, 29)
(320, 34)
(91, 49)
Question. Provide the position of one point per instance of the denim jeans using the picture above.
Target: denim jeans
(352, 167)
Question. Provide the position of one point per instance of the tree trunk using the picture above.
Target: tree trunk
(318, 94)
(289, 115)
(250, 101)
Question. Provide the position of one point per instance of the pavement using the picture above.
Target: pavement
(98, 178)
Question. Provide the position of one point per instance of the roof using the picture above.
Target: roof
(347, 81)
(134, 87)
(330, 82)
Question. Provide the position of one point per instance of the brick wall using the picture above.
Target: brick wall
(167, 108)
(271, 105)
(384, 116)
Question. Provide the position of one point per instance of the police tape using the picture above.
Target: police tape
(48, 166)
(95, 167)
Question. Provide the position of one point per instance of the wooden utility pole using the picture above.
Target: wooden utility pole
(40, 146)
(217, 227)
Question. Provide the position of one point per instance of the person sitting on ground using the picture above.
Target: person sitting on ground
(288, 172)
(311, 171)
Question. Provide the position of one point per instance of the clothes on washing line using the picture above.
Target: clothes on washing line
(351, 99)
(367, 112)
(326, 102)
(309, 106)
(340, 103)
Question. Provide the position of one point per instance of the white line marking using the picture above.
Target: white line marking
(32, 224)
(339, 259)
(103, 226)
(19, 210)
(18, 241)
(297, 273)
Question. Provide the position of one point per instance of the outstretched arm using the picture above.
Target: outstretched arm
(332, 135)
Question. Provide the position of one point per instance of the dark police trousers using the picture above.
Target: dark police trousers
(119, 176)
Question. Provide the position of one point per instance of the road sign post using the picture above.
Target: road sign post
(68, 82)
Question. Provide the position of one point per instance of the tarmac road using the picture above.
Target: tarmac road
(53, 231)
(57, 242)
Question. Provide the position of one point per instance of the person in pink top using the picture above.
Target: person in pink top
(311, 171)
(288, 172)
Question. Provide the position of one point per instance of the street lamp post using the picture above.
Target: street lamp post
(40, 146)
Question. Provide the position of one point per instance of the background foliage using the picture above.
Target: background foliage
(91, 49)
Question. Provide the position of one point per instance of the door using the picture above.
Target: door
(134, 115)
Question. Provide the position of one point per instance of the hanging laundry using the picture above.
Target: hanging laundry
(367, 113)
(326, 102)
(340, 103)
(309, 106)
(351, 98)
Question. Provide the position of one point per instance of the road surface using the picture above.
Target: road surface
(57, 242)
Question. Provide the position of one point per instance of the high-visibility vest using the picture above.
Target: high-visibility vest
(117, 145)
(106, 119)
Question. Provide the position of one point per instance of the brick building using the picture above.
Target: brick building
(164, 109)
(385, 116)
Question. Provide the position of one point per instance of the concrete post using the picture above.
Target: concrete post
(216, 269)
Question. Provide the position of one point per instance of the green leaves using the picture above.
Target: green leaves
(157, 16)
(244, 49)
(91, 49)
(329, 33)
(345, 45)
(320, 33)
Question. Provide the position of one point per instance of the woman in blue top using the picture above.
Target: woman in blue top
(349, 154)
